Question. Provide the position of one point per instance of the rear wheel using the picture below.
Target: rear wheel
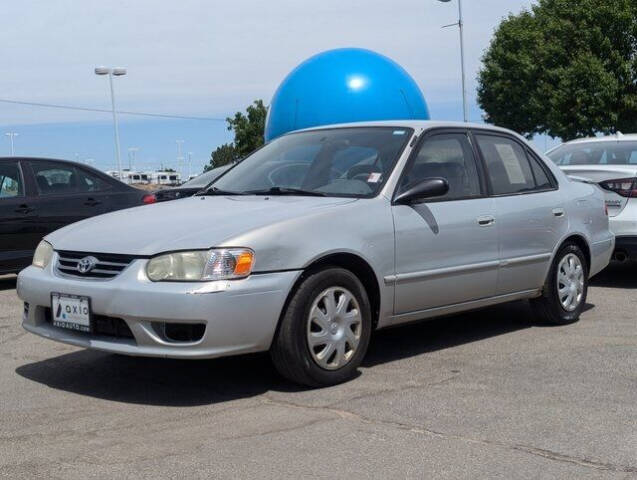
(564, 293)
(325, 329)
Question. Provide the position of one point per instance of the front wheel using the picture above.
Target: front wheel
(325, 329)
(564, 293)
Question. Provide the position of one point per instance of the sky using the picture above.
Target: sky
(208, 59)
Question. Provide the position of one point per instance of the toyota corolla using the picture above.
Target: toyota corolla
(319, 238)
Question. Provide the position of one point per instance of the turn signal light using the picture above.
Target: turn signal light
(626, 187)
(244, 263)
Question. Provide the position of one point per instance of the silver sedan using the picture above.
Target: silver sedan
(319, 238)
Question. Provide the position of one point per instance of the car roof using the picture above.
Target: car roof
(618, 137)
(67, 162)
(57, 160)
(415, 124)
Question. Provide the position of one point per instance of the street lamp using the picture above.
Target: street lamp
(460, 24)
(180, 157)
(117, 72)
(11, 136)
(132, 154)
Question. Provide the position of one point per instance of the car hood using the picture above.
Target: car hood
(190, 223)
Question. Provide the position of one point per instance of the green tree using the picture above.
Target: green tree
(567, 68)
(223, 155)
(248, 135)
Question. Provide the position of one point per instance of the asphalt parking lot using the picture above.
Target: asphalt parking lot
(489, 394)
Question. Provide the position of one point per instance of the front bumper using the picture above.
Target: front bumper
(240, 316)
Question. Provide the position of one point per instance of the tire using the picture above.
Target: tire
(307, 320)
(550, 307)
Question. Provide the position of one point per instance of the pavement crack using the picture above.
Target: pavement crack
(544, 453)
(413, 386)
(280, 430)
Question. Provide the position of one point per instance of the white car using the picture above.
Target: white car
(611, 162)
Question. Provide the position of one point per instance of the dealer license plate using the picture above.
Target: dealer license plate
(71, 311)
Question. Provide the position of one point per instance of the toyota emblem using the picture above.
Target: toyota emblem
(86, 264)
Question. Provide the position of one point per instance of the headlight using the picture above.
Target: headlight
(42, 255)
(201, 265)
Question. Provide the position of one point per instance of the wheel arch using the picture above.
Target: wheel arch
(349, 261)
(581, 242)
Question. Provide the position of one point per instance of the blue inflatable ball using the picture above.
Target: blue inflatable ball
(344, 85)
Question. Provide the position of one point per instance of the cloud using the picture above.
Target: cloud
(211, 58)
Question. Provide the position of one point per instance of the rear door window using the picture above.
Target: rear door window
(508, 167)
(542, 180)
(55, 178)
(91, 183)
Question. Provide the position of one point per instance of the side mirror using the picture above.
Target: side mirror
(429, 187)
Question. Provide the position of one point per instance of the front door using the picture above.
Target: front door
(446, 247)
(18, 231)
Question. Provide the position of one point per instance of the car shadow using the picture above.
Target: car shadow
(448, 332)
(8, 282)
(617, 275)
(156, 381)
(166, 382)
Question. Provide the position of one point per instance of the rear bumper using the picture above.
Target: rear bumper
(626, 245)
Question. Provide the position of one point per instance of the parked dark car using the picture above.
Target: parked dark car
(191, 187)
(39, 195)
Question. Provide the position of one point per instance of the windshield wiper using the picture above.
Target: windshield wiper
(285, 191)
(218, 191)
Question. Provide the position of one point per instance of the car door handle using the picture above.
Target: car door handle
(486, 220)
(24, 209)
(91, 202)
(558, 212)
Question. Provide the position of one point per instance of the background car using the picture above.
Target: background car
(38, 196)
(611, 162)
(191, 187)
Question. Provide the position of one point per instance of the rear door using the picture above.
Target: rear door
(62, 195)
(18, 229)
(98, 192)
(529, 210)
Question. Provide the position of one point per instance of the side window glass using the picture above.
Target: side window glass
(10, 180)
(53, 179)
(542, 181)
(507, 166)
(91, 183)
(449, 156)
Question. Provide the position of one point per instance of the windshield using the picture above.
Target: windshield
(206, 178)
(332, 162)
(596, 153)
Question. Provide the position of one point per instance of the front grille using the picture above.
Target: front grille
(107, 265)
(102, 325)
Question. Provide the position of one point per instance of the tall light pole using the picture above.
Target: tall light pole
(11, 136)
(189, 164)
(180, 158)
(460, 24)
(132, 153)
(117, 72)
